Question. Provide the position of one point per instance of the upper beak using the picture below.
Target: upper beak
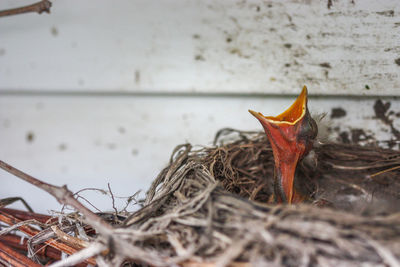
(291, 135)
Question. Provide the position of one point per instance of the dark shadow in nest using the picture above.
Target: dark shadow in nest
(348, 177)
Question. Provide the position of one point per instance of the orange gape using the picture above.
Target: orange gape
(291, 135)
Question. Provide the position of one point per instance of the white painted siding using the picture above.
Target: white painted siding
(271, 47)
(175, 72)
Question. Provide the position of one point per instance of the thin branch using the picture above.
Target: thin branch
(87, 201)
(64, 196)
(381, 172)
(113, 201)
(92, 250)
(70, 240)
(37, 237)
(104, 192)
(130, 199)
(18, 225)
(39, 7)
(10, 200)
(9, 257)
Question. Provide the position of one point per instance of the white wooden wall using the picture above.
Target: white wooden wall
(102, 91)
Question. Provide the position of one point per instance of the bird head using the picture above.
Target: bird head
(291, 135)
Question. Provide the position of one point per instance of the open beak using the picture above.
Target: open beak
(291, 135)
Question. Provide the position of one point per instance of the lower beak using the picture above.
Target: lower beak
(285, 170)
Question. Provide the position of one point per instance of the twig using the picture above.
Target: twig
(25, 215)
(78, 196)
(211, 264)
(70, 240)
(33, 233)
(8, 201)
(39, 7)
(11, 258)
(64, 196)
(113, 201)
(92, 250)
(20, 244)
(386, 255)
(104, 192)
(381, 172)
(87, 201)
(130, 199)
(18, 225)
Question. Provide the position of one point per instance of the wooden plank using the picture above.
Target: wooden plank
(237, 47)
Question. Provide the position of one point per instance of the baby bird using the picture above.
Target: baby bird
(291, 135)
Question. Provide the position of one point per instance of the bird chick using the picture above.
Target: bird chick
(291, 135)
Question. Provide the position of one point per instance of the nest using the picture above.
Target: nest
(214, 207)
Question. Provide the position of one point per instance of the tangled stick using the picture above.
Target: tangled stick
(39, 7)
